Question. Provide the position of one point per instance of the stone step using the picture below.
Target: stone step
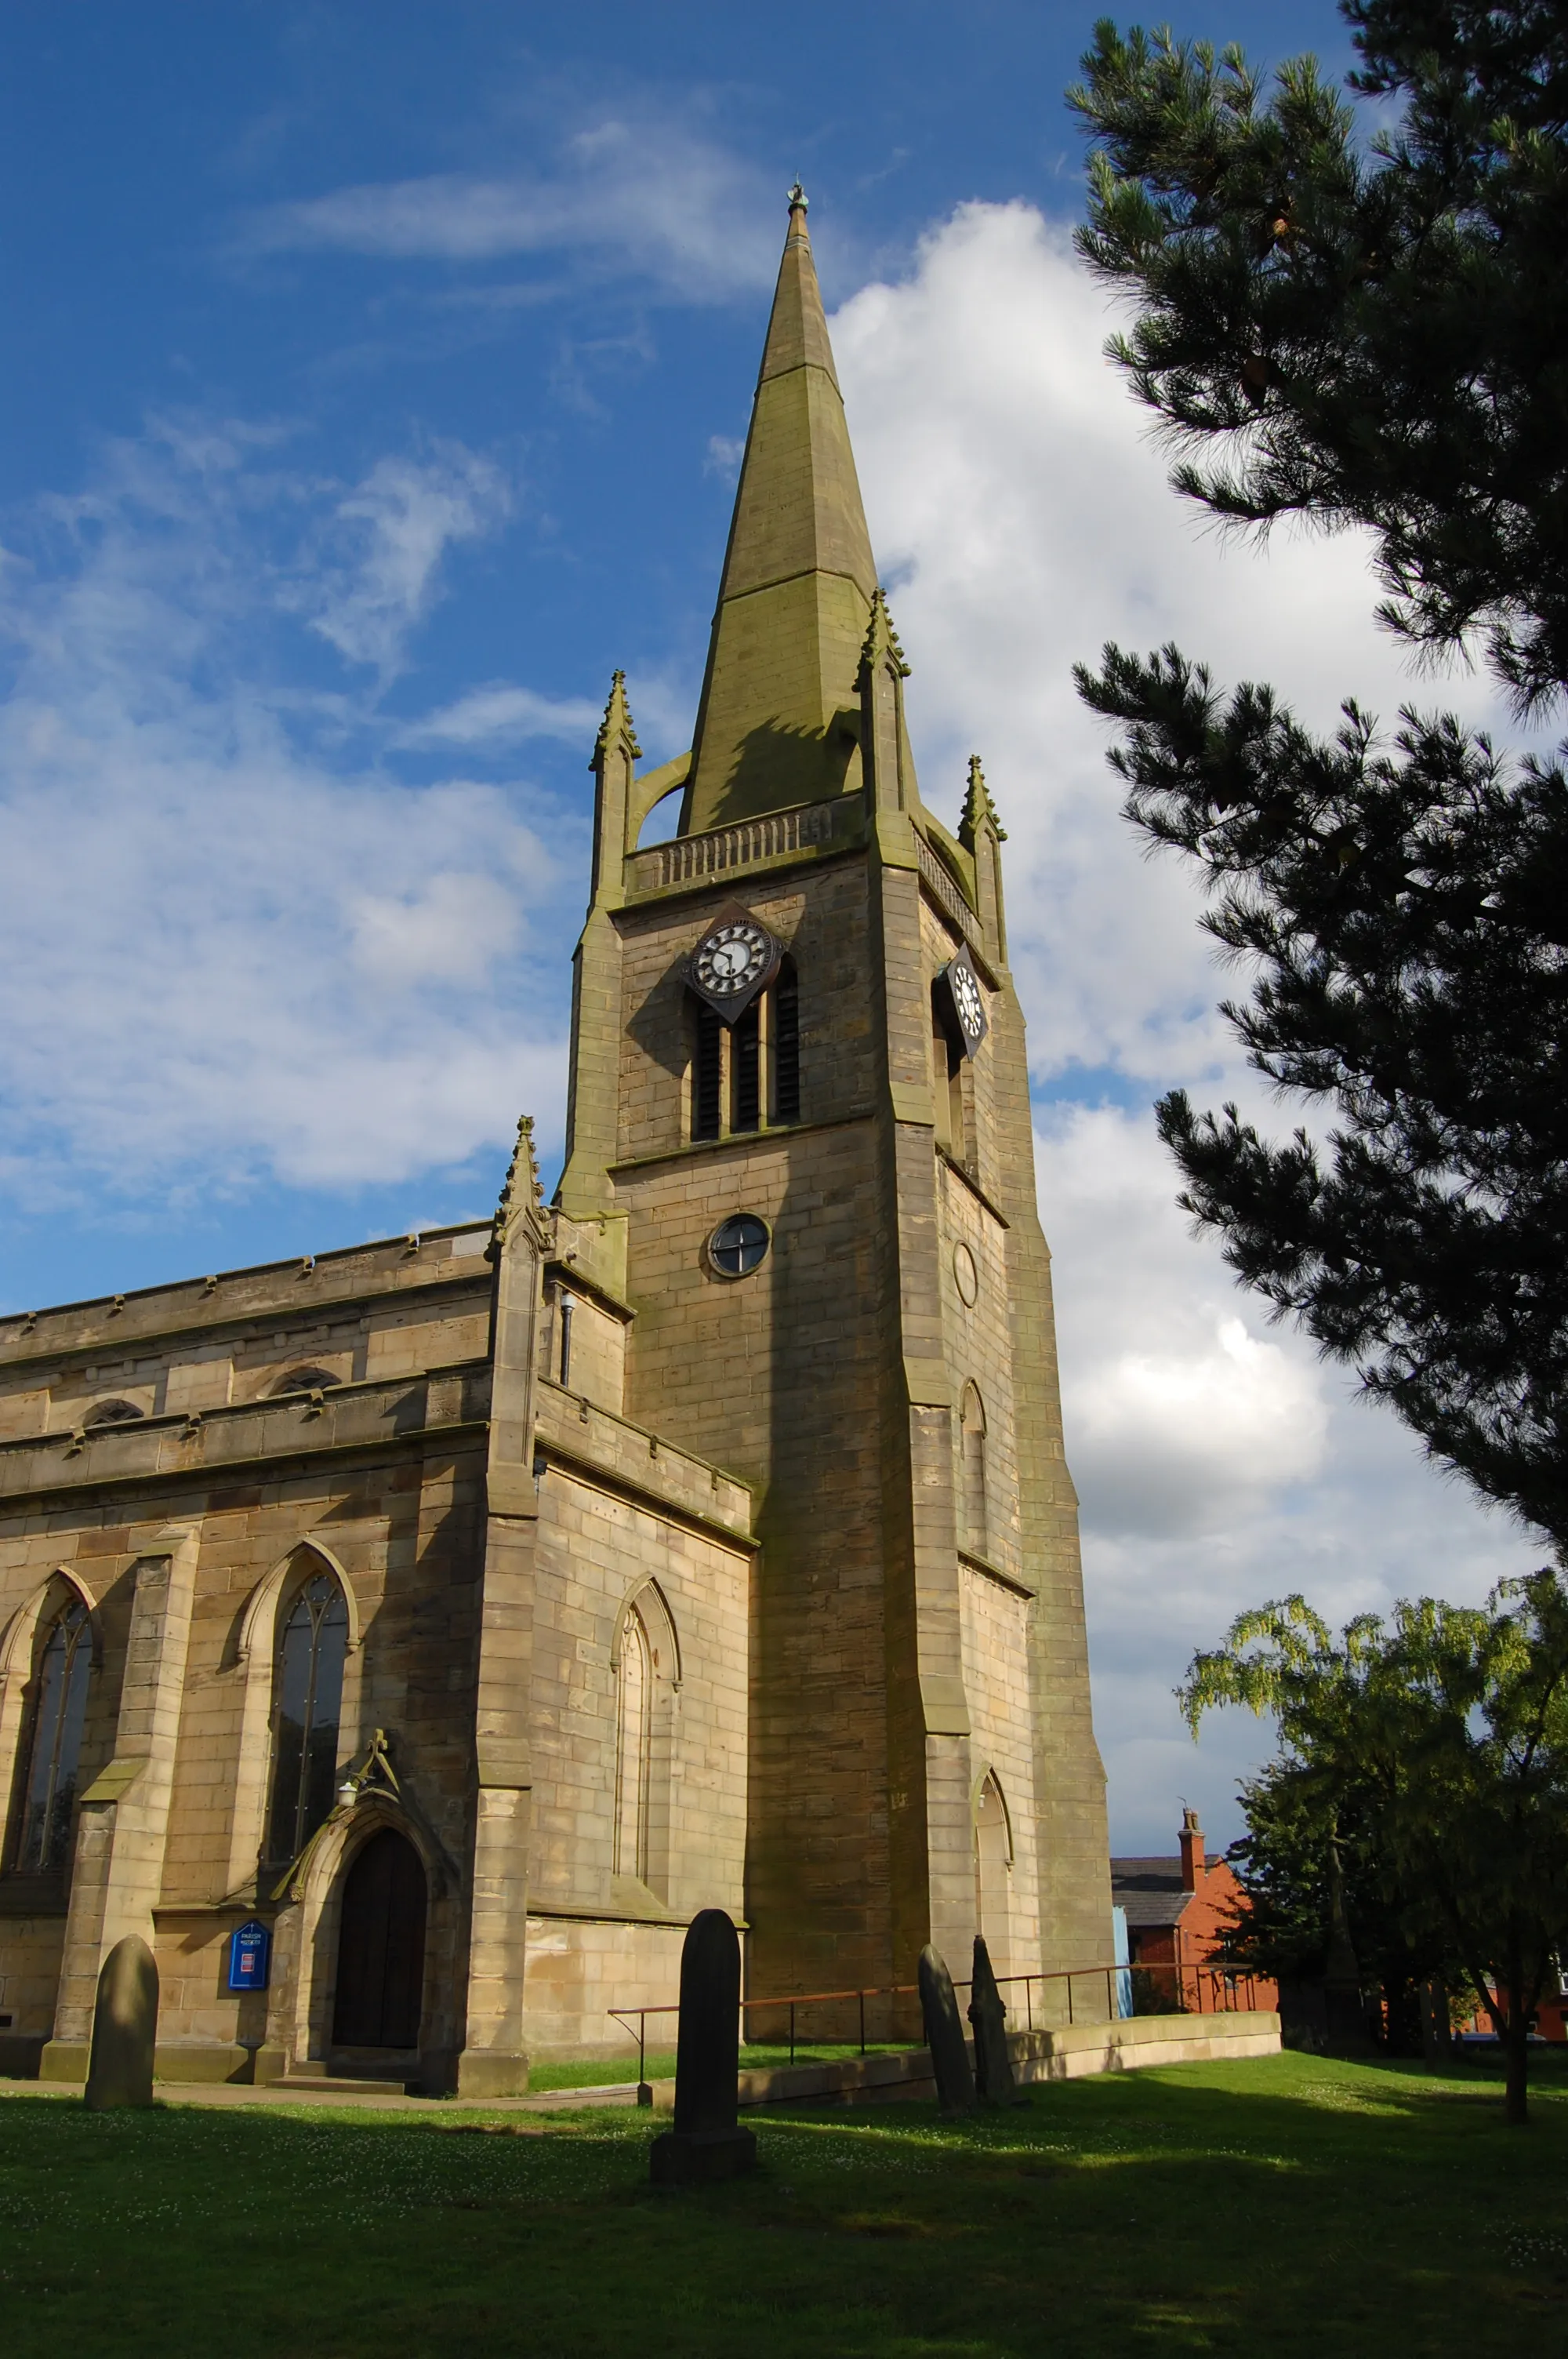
(303, 2084)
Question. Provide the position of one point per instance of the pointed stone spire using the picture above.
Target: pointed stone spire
(777, 725)
(977, 808)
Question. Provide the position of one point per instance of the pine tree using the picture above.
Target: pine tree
(1373, 334)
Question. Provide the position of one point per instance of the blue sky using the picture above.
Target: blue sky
(376, 377)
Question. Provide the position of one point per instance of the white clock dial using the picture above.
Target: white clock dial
(966, 996)
(732, 956)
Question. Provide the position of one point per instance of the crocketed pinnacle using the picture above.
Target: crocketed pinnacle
(881, 640)
(617, 721)
(522, 1197)
(774, 725)
(977, 806)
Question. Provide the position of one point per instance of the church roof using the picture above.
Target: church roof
(795, 595)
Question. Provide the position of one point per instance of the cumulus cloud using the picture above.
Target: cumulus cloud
(647, 197)
(1021, 513)
(235, 946)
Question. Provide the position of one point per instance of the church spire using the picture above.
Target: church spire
(776, 723)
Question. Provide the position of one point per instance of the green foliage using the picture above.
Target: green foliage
(1375, 334)
(1372, 335)
(1443, 1739)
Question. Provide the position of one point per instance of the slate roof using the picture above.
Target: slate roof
(1148, 1889)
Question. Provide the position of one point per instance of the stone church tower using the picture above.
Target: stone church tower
(465, 1612)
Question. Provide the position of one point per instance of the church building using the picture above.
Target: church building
(456, 1616)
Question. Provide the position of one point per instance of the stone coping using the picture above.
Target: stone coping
(318, 1283)
(377, 1413)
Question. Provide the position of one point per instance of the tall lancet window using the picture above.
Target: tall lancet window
(54, 1749)
(634, 1747)
(973, 1442)
(313, 1645)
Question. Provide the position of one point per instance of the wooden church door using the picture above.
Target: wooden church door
(381, 1947)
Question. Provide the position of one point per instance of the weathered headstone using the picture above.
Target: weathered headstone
(993, 2066)
(945, 2036)
(125, 2028)
(705, 2143)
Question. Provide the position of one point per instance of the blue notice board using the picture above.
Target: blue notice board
(250, 1955)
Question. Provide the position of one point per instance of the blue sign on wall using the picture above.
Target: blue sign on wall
(250, 1955)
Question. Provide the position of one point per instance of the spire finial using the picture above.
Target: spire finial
(880, 639)
(617, 721)
(977, 808)
(798, 200)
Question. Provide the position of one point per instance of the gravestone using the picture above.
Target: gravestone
(705, 2143)
(993, 2066)
(945, 2036)
(125, 2028)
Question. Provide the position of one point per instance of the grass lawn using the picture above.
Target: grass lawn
(1287, 2205)
(661, 2063)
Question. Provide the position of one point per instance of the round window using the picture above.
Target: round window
(738, 1245)
(965, 1273)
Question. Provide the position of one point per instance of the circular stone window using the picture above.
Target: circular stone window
(966, 1276)
(738, 1245)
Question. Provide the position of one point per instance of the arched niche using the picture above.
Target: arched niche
(992, 1823)
(973, 1519)
(645, 1666)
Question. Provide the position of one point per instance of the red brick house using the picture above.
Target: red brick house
(1177, 1908)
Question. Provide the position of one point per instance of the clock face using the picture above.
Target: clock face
(733, 959)
(967, 1001)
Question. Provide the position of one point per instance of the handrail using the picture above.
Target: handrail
(1188, 1977)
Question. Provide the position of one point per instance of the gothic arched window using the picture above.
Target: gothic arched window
(313, 1643)
(633, 1746)
(973, 1439)
(54, 1745)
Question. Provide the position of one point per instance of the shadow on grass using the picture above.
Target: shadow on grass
(1291, 2203)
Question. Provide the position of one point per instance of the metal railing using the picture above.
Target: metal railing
(1158, 1988)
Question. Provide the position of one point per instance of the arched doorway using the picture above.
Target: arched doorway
(381, 1947)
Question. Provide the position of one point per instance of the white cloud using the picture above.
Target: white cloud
(644, 196)
(1022, 515)
(234, 947)
(1186, 1414)
(1020, 511)
(502, 714)
(375, 575)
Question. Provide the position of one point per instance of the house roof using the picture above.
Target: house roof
(1148, 1889)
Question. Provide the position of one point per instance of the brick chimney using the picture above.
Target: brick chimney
(1192, 1851)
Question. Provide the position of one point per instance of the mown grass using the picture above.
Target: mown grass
(661, 2063)
(1289, 2205)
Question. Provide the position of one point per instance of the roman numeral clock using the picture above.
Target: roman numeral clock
(735, 960)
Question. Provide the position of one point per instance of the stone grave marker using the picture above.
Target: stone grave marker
(125, 2028)
(993, 2066)
(945, 2036)
(705, 2143)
